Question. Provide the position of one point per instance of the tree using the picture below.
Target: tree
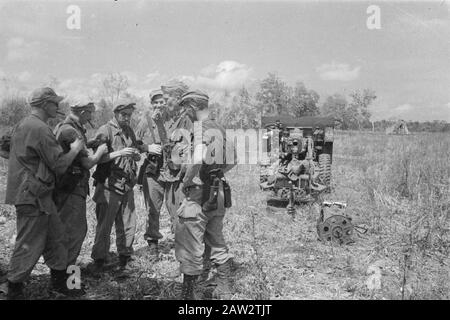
(114, 86)
(103, 113)
(13, 109)
(240, 113)
(273, 96)
(358, 108)
(336, 107)
(303, 102)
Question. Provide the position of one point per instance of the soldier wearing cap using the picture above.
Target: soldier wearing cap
(114, 195)
(36, 159)
(152, 131)
(199, 231)
(73, 187)
(176, 142)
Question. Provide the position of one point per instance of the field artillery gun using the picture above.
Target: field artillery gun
(298, 167)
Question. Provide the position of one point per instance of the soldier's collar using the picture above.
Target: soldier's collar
(76, 121)
(118, 129)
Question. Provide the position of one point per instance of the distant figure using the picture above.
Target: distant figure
(398, 128)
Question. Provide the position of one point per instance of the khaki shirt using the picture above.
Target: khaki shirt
(172, 172)
(214, 138)
(121, 138)
(147, 131)
(34, 158)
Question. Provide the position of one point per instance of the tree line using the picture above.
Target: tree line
(239, 109)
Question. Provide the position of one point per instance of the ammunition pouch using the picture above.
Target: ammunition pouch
(119, 182)
(227, 195)
(211, 191)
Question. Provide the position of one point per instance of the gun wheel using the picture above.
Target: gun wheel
(325, 169)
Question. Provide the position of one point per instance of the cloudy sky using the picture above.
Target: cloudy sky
(224, 45)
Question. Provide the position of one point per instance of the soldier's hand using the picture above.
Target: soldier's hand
(102, 149)
(126, 152)
(157, 115)
(155, 148)
(77, 145)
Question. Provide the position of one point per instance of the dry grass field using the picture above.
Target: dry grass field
(397, 186)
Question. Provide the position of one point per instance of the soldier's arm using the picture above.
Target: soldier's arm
(199, 156)
(192, 170)
(50, 151)
(91, 160)
(66, 135)
(103, 135)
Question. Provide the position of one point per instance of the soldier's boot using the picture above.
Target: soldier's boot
(125, 270)
(223, 290)
(96, 268)
(204, 276)
(58, 284)
(204, 279)
(235, 265)
(188, 288)
(15, 291)
(123, 261)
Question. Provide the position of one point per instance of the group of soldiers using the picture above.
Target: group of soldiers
(48, 182)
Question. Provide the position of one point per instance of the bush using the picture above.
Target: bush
(12, 110)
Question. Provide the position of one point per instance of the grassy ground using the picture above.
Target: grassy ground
(397, 186)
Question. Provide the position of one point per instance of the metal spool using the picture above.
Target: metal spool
(336, 228)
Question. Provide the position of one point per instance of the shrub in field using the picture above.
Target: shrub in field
(12, 110)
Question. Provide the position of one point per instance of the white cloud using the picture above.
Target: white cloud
(227, 75)
(20, 50)
(338, 71)
(24, 76)
(151, 77)
(403, 108)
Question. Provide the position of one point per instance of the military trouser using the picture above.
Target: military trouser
(37, 234)
(195, 229)
(113, 208)
(153, 190)
(174, 197)
(73, 216)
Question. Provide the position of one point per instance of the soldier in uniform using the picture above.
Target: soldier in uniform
(114, 196)
(35, 160)
(172, 92)
(200, 223)
(152, 131)
(73, 186)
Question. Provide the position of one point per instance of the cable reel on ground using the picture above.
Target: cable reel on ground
(336, 228)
